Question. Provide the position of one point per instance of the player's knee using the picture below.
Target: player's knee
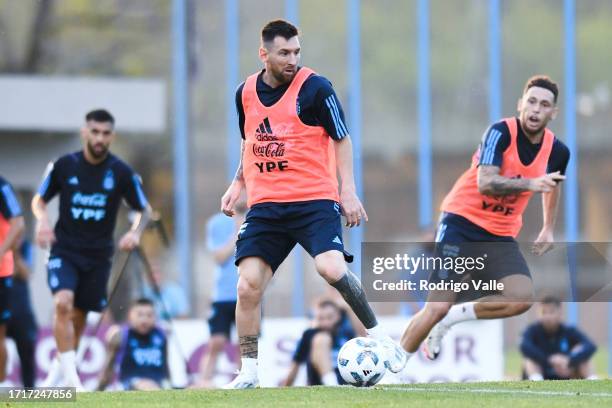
(332, 271)
(64, 304)
(437, 310)
(249, 291)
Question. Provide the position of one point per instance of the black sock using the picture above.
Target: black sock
(352, 292)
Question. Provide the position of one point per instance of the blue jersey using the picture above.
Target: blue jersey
(90, 196)
(538, 345)
(142, 356)
(343, 333)
(220, 229)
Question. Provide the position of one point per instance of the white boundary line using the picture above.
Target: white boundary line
(498, 391)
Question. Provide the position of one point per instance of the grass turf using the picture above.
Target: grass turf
(491, 394)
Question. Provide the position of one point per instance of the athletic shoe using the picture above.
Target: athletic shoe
(243, 380)
(396, 356)
(434, 340)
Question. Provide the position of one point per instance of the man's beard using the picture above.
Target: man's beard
(97, 155)
(281, 78)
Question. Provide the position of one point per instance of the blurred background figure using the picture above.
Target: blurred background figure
(173, 295)
(319, 345)
(553, 350)
(221, 233)
(137, 351)
(22, 326)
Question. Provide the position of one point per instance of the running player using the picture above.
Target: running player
(11, 227)
(294, 141)
(138, 351)
(91, 184)
(516, 158)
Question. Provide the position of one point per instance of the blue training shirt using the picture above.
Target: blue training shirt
(90, 196)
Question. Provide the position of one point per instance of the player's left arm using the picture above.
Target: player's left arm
(550, 202)
(11, 211)
(329, 114)
(136, 198)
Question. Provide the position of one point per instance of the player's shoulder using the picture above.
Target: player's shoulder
(317, 82)
(239, 89)
(559, 147)
(3, 181)
(119, 165)
(501, 126)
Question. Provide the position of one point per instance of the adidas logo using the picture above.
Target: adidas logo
(74, 181)
(264, 132)
(337, 240)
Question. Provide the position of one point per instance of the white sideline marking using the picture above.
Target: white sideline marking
(499, 391)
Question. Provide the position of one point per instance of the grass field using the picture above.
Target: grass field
(491, 394)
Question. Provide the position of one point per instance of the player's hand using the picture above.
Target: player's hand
(129, 241)
(543, 243)
(45, 237)
(352, 208)
(560, 364)
(546, 183)
(228, 201)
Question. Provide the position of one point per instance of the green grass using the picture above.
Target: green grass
(491, 394)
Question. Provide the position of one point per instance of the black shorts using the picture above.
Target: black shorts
(458, 237)
(271, 230)
(223, 316)
(86, 277)
(6, 289)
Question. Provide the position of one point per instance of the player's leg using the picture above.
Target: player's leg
(585, 370)
(79, 322)
(3, 352)
(219, 324)
(318, 230)
(254, 276)
(5, 315)
(262, 245)
(321, 357)
(421, 324)
(533, 371)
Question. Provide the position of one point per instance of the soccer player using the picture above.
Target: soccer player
(294, 142)
(91, 184)
(517, 157)
(553, 350)
(11, 228)
(221, 233)
(320, 344)
(138, 351)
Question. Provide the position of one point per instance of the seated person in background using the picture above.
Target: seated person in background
(138, 351)
(553, 350)
(319, 346)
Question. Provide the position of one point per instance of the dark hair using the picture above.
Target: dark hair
(142, 302)
(277, 28)
(551, 300)
(542, 81)
(100, 115)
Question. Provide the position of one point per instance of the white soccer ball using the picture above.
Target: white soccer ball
(361, 362)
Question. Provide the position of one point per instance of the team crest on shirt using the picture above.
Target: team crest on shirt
(109, 180)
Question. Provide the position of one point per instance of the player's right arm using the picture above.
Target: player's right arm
(232, 194)
(113, 342)
(490, 182)
(44, 235)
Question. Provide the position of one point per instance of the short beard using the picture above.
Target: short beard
(95, 155)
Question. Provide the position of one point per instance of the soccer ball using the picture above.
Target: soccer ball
(361, 362)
